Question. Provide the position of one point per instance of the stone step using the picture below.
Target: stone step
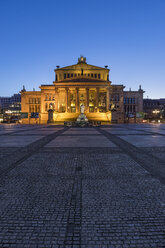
(61, 117)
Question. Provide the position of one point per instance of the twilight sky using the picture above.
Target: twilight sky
(126, 35)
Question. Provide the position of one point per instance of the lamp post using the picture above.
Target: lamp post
(156, 113)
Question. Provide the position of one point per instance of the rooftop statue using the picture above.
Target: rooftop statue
(82, 60)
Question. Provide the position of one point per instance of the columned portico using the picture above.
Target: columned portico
(69, 99)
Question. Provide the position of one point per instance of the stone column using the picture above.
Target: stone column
(69, 107)
(77, 100)
(56, 99)
(87, 100)
(107, 100)
(66, 91)
(97, 99)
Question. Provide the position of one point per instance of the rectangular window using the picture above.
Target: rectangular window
(95, 75)
(99, 76)
(71, 74)
(64, 76)
(92, 75)
(68, 75)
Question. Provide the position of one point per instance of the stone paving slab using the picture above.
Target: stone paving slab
(85, 132)
(17, 141)
(123, 131)
(158, 152)
(81, 141)
(50, 129)
(144, 140)
(114, 129)
(6, 151)
(154, 130)
(5, 131)
(36, 132)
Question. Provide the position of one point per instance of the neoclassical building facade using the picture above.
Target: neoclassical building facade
(78, 84)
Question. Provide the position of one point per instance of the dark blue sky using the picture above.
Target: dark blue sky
(127, 35)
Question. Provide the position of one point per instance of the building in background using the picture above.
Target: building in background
(78, 84)
(10, 108)
(154, 109)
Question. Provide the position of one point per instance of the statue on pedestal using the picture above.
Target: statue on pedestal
(82, 119)
(82, 108)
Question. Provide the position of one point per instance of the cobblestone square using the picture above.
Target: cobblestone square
(98, 187)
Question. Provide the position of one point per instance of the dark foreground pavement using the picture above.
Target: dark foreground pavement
(82, 187)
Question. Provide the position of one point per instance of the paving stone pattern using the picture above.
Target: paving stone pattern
(109, 194)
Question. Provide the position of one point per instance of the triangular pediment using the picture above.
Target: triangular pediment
(82, 66)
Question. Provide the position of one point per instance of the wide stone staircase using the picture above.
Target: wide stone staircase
(97, 117)
(61, 117)
(105, 118)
